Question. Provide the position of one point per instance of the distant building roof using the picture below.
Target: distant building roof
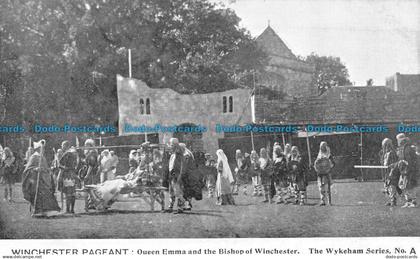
(273, 44)
(346, 104)
(405, 83)
(285, 72)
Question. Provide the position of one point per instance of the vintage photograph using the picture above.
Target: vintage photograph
(209, 119)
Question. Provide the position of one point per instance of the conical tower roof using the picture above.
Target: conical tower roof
(273, 44)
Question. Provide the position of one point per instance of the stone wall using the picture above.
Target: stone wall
(169, 108)
(292, 81)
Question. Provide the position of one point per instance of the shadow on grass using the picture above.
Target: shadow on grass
(217, 211)
(355, 205)
(243, 205)
(200, 213)
(58, 216)
(115, 211)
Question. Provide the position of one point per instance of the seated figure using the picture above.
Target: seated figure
(106, 193)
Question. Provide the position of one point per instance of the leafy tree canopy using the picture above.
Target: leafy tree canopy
(60, 57)
(329, 72)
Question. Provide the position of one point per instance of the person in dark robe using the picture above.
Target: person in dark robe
(192, 178)
(241, 172)
(38, 184)
(182, 177)
(175, 177)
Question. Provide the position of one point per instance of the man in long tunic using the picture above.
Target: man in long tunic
(9, 167)
(38, 184)
(90, 175)
(176, 171)
(67, 178)
(55, 165)
(211, 174)
(392, 175)
(323, 165)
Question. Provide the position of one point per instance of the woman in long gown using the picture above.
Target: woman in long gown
(38, 184)
(224, 180)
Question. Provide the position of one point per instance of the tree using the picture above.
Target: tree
(63, 55)
(329, 72)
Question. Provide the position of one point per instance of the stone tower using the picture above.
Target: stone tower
(285, 72)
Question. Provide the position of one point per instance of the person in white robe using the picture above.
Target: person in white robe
(224, 180)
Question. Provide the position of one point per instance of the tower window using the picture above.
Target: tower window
(227, 104)
(147, 106)
(141, 106)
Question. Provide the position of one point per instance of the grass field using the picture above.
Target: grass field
(358, 210)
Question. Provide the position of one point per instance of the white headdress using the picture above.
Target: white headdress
(221, 158)
(326, 153)
(39, 144)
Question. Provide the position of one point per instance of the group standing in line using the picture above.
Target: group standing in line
(402, 173)
(281, 178)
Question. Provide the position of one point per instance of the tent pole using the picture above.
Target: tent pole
(252, 134)
(361, 155)
(129, 64)
(252, 140)
(309, 148)
(284, 141)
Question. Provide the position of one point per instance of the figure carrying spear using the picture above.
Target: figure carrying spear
(38, 184)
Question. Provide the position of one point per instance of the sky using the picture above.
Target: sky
(374, 38)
